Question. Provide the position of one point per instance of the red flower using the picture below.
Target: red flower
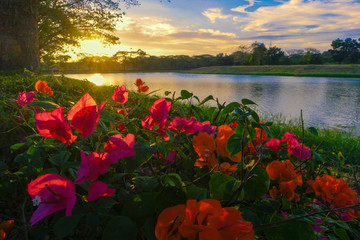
(52, 193)
(92, 166)
(119, 147)
(99, 189)
(120, 94)
(85, 115)
(273, 144)
(5, 227)
(25, 98)
(53, 125)
(141, 85)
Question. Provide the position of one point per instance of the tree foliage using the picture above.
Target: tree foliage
(345, 51)
(65, 22)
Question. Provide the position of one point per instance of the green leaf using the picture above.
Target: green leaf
(17, 146)
(120, 227)
(230, 107)
(258, 186)
(341, 159)
(249, 215)
(140, 207)
(222, 186)
(167, 93)
(65, 225)
(185, 94)
(172, 180)
(104, 204)
(233, 145)
(255, 116)
(246, 101)
(34, 156)
(149, 227)
(195, 192)
(196, 97)
(341, 233)
(143, 153)
(294, 230)
(208, 98)
(44, 104)
(313, 131)
(147, 183)
(60, 158)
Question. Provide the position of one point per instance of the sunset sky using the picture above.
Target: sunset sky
(193, 27)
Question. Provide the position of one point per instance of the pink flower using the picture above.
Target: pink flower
(99, 189)
(52, 193)
(295, 148)
(158, 115)
(119, 147)
(25, 98)
(183, 125)
(120, 95)
(123, 112)
(206, 127)
(53, 125)
(85, 115)
(273, 144)
(171, 157)
(92, 166)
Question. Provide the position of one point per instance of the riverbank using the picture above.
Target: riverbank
(333, 140)
(343, 71)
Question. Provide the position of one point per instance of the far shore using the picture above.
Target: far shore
(339, 71)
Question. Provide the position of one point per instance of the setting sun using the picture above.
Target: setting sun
(97, 78)
(95, 47)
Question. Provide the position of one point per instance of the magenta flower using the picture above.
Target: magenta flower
(183, 125)
(53, 125)
(85, 115)
(120, 95)
(119, 147)
(92, 166)
(294, 147)
(158, 115)
(51, 193)
(171, 157)
(25, 98)
(273, 144)
(123, 112)
(99, 189)
(206, 127)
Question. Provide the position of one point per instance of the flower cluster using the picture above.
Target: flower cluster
(295, 148)
(41, 86)
(83, 116)
(287, 177)
(141, 85)
(24, 98)
(120, 94)
(203, 220)
(334, 191)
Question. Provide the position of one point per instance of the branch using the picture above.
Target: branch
(269, 225)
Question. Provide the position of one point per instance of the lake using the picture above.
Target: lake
(329, 102)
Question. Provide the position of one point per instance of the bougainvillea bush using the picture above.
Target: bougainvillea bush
(115, 164)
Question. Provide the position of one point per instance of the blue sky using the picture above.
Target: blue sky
(193, 27)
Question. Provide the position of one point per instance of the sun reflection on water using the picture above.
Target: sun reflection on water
(97, 78)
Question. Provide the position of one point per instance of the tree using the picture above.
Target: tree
(242, 56)
(19, 45)
(259, 54)
(43, 27)
(274, 54)
(345, 51)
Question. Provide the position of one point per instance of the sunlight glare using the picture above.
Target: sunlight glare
(97, 78)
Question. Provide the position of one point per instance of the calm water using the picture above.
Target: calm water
(331, 102)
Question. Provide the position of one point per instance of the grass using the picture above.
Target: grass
(343, 71)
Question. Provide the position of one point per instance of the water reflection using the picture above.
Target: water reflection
(324, 101)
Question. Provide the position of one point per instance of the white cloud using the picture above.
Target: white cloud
(215, 13)
(241, 9)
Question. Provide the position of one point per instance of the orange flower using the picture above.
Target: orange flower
(5, 227)
(227, 168)
(332, 190)
(224, 133)
(168, 223)
(288, 179)
(140, 84)
(204, 146)
(41, 86)
(207, 220)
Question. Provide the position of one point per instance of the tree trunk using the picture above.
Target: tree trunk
(19, 44)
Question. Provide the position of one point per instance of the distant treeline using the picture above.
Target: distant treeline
(342, 52)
